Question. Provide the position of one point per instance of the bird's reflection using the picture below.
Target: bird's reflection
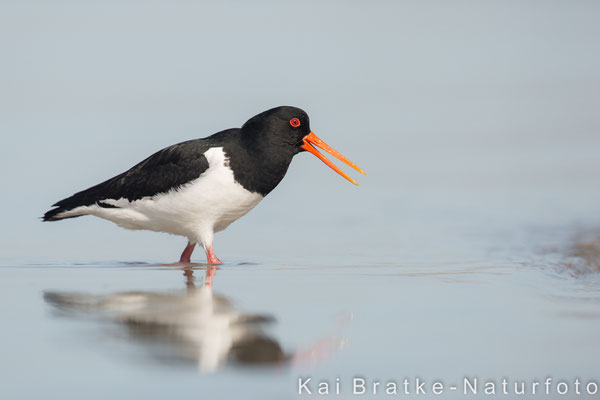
(193, 326)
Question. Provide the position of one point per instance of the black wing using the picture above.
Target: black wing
(166, 169)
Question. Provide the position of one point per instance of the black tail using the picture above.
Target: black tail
(52, 215)
(84, 198)
(64, 205)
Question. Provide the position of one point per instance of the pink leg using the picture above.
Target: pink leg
(187, 252)
(211, 258)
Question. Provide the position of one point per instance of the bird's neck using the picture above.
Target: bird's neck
(259, 168)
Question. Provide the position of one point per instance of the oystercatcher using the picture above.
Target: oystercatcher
(199, 187)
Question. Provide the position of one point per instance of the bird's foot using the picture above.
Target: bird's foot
(211, 258)
(187, 253)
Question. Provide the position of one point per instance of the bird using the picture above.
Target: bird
(199, 187)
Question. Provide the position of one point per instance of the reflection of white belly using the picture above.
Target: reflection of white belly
(205, 205)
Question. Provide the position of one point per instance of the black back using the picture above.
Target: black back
(166, 169)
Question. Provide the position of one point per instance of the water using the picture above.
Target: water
(470, 249)
(254, 328)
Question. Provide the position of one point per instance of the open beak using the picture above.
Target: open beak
(311, 141)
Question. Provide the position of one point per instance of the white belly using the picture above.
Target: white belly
(196, 210)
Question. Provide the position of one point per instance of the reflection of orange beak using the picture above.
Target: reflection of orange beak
(311, 140)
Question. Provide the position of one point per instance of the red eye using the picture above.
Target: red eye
(295, 122)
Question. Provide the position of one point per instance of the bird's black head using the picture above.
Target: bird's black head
(282, 132)
(281, 129)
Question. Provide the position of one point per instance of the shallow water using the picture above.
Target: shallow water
(252, 329)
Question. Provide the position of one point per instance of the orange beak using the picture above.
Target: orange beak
(311, 140)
